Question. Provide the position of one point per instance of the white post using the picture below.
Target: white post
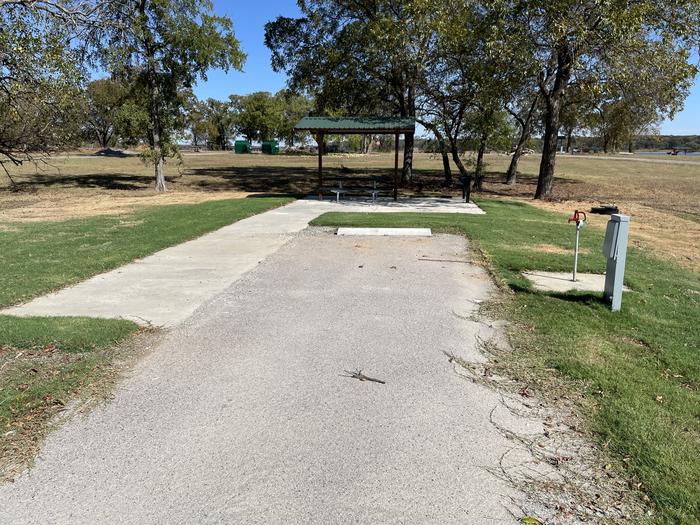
(578, 232)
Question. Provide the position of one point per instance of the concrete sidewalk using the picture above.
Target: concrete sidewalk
(166, 287)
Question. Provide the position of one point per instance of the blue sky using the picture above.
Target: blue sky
(249, 22)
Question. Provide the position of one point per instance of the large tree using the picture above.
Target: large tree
(292, 108)
(103, 101)
(361, 57)
(219, 122)
(257, 116)
(471, 71)
(165, 46)
(574, 41)
(40, 77)
(195, 119)
(634, 98)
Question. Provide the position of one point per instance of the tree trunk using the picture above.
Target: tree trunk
(630, 149)
(444, 152)
(447, 170)
(160, 176)
(157, 142)
(479, 172)
(409, 110)
(553, 101)
(569, 139)
(407, 171)
(525, 130)
(104, 136)
(464, 175)
(512, 173)
(549, 153)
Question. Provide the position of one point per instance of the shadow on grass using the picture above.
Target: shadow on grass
(291, 181)
(284, 180)
(281, 180)
(583, 298)
(108, 181)
(495, 184)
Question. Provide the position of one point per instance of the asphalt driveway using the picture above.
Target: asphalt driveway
(243, 414)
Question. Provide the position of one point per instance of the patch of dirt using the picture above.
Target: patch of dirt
(550, 248)
(60, 206)
(635, 342)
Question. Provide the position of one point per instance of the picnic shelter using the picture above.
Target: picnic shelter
(321, 126)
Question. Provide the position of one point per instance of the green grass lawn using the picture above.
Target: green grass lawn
(44, 362)
(47, 360)
(37, 258)
(638, 369)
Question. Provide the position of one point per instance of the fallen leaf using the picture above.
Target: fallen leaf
(529, 520)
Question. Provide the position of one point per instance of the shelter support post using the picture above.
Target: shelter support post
(396, 167)
(319, 139)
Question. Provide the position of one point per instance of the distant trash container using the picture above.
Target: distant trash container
(270, 147)
(241, 146)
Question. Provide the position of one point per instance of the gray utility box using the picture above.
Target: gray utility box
(615, 251)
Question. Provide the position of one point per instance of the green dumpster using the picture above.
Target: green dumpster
(270, 147)
(241, 146)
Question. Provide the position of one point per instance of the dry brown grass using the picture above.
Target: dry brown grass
(662, 195)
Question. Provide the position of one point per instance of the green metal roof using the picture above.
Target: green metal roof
(357, 124)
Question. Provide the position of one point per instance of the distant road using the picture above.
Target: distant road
(636, 159)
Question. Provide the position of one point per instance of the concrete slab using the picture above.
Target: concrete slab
(387, 232)
(417, 204)
(561, 282)
(165, 288)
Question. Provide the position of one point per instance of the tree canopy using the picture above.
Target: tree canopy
(165, 46)
(40, 78)
(456, 65)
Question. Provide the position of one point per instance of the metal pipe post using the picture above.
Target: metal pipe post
(578, 233)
